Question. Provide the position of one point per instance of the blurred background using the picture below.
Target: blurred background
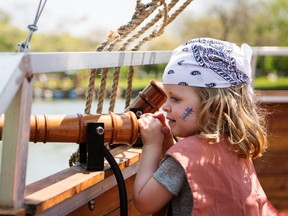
(74, 25)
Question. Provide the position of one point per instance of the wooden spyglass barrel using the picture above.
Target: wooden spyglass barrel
(118, 128)
(150, 99)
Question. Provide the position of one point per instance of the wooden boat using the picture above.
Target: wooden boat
(81, 191)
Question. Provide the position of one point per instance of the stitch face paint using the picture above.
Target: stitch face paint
(187, 113)
(182, 107)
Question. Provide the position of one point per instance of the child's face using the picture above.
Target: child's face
(181, 109)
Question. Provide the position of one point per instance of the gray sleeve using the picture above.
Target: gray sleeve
(171, 175)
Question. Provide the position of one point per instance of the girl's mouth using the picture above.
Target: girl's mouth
(171, 121)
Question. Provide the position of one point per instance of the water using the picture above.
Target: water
(49, 158)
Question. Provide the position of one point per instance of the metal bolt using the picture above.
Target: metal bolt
(138, 113)
(100, 130)
(91, 204)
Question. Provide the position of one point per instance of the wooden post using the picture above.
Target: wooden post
(15, 145)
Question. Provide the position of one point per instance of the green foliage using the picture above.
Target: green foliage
(271, 26)
(269, 64)
(61, 43)
(258, 23)
(272, 64)
(10, 35)
(264, 83)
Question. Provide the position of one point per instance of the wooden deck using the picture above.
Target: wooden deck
(272, 168)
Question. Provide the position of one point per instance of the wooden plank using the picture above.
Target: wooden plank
(106, 204)
(272, 93)
(77, 200)
(279, 203)
(15, 147)
(270, 50)
(75, 186)
(277, 126)
(275, 186)
(268, 165)
(53, 62)
(53, 194)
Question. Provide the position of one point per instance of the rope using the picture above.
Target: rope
(128, 93)
(138, 17)
(25, 46)
(155, 33)
(117, 70)
(141, 13)
(102, 90)
(112, 39)
(90, 92)
(114, 89)
(179, 10)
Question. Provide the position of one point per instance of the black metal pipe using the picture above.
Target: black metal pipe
(120, 182)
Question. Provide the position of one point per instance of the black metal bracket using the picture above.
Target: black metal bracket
(91, 153)
(138, 112)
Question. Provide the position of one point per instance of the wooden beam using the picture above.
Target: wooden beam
(11, 77)
(270, 51)
(53, 62)
(15, 147)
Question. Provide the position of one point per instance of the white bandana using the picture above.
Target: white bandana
(210, 63)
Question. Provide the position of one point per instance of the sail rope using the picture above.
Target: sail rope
(123, 39)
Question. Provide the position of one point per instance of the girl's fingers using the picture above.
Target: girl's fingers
(161, 117)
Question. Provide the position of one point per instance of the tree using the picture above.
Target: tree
(10, 35)
(226, 20)
(271, 25)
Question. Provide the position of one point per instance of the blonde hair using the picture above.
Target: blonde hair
(234, 113)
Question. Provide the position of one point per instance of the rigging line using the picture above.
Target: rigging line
(39, 11)
(24, 45)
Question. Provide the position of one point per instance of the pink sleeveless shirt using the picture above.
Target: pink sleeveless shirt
(221, 183)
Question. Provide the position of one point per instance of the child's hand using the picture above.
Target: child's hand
(149, 135)
(168, 137)
(150, 130)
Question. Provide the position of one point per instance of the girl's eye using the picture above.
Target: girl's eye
(175, 99)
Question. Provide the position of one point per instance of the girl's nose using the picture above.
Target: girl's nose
(166, 107)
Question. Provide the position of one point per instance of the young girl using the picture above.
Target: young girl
(210, 107)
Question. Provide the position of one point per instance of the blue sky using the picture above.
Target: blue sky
(78, 17)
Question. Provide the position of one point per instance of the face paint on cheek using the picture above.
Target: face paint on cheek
(188, 111)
